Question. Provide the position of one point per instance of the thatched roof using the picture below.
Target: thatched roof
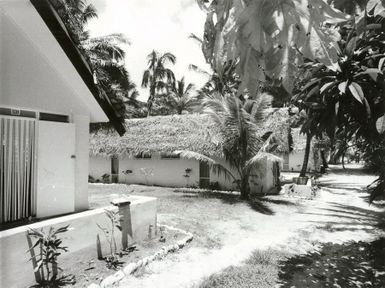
(158, 134)
(194, 132)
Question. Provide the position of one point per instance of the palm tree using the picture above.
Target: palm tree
(104, 54)
(239, 125)
(75, 15)
(181, 99)
(223, 80)
(157, 77)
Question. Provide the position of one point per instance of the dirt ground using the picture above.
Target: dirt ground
(227, 231)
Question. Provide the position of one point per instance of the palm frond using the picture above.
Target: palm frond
(195, 156)
(259, 110)
(146, 78)
(168, 57)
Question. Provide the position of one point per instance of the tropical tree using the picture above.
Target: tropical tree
(104, 54)
(180, 97)
(157, 77)
(270, 38)
(352, 96)
(243, 145)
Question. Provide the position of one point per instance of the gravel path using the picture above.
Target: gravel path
(338, 214)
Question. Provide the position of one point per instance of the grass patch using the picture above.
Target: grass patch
(260, 270)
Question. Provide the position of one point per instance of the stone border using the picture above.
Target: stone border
(113, 280)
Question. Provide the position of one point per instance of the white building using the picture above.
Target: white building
(293, 158)
(144, 155)
(47, 100)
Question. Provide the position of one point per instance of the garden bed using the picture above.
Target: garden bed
(87, 269)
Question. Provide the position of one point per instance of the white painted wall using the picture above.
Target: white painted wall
(39, 75)
(296, 161)
(99, 166)
(55, 171)
(170, 173)
(165, 172)
(81, 161)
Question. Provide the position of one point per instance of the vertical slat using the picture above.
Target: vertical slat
(33, 168)
(9, 169)
(5, 170)
(25, 170)
(22, 168)
(2, 139)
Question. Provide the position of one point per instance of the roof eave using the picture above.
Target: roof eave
(59, 31)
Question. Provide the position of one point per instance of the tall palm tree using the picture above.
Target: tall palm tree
(243, 145)
(104, 54)
(157, 77)
(180, 97)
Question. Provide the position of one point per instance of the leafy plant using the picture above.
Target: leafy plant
(49, 249)
(112, 260)
(106, 178)
(270, 38)
(240, 129)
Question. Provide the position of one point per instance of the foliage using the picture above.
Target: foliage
(239, 125)
(351, 98)
(223, 80)
(157, 77)
(104, 54)
(112, 260)
(180, 98)
(270, 38)
(50, 248)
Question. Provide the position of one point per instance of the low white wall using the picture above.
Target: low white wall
(15, 267)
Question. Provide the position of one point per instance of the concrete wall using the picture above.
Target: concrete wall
(169, 172)
(296, 161)
(162, 172)
(17, 271)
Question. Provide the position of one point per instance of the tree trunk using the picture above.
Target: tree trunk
(343, 160)
(307, 154)
(324, 162)
(245, 187)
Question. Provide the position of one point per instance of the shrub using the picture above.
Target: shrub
(50, 247)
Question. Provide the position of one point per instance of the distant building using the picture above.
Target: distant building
(144, 155)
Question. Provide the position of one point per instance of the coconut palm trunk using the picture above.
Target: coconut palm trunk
(307, 154)
(244, 187)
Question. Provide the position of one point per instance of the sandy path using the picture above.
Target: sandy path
(337, 215)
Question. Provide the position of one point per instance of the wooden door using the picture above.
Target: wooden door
(204, 175)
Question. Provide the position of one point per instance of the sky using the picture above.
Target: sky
(163, 25)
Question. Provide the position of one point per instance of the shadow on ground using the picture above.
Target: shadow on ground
(355, 264)
(258, 204)
(350, 218)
